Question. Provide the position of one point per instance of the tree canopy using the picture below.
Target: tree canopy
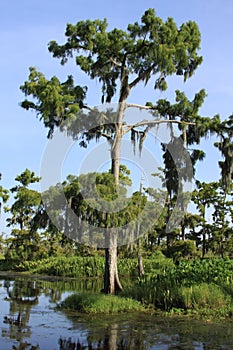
(118, 59)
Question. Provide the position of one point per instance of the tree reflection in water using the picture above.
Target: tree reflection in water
(22, 295)
(110, 341)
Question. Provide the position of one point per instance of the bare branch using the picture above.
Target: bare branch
(155, 122)
(115, 63)
(108, 137)
(139, 106)
(88, 108)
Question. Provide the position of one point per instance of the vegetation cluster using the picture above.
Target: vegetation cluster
(202, 287)
(194, 269)
(100, 303)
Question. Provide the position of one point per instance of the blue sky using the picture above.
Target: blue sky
(26, 27)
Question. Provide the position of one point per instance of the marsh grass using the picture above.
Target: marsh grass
(203, 296)
(93, 303)
(168, 295)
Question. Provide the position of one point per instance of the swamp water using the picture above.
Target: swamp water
(29, 321)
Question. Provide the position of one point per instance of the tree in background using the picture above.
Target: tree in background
(225, 146)
(221, 227)
(4, 194)
(204, 196)
(24, 243)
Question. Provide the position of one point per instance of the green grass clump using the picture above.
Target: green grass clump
(203, 296)
(167, 294)
(94, 303)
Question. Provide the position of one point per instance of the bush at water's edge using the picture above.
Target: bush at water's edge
(99, 303)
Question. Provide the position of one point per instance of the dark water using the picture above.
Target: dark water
(29, 321)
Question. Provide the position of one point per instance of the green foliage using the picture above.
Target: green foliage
(181, 249)
(95, 199)
(100, 303)
(24, 242)
(26, 200)
(225, 146)
(205, 195)
(191, 285)
(4, 194)
(150, 49)
(76, 266)
(212, 195)
(26, 178)
(90, 266)
(218, 313)
(55, 100)
(207, 295)
(66, 267)
(144, 49)
(218, 271)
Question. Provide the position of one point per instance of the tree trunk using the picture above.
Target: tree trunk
(168, 241)
(203, 243)
(203, 236)
(141, 271)
(183, 232)
(116, 144)
(112, 284)
(115, 156)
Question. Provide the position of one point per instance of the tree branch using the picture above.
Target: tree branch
(115, 62)
(141, 76)
(139, 106)
(108, 137)
(88, 108)
(155, 122)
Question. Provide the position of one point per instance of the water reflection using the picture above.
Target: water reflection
(29, 322)
(110, 341)
(141, 332)
(22, 295)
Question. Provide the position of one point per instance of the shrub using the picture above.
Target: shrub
(100, 303)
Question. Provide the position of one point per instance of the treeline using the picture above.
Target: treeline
(37, 234)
